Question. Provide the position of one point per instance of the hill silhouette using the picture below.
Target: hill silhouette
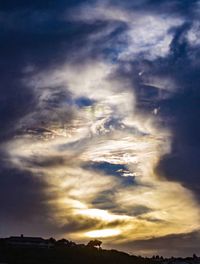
(36, 250)
(27, 250)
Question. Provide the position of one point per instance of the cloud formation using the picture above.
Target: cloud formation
(100, 114)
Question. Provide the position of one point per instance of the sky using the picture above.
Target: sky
(100, 123)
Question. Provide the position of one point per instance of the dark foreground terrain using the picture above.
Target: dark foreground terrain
(23, 250)
(58, 255)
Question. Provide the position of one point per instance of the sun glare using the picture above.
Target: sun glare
(103, 233)
(101, 214)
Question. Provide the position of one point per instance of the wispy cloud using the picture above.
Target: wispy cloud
(107, 130)
(147, 35)
(98, 124)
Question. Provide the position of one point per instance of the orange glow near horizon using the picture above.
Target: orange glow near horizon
(103, 233)
(129, 203)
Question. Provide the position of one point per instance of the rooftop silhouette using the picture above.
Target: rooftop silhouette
(37, 250)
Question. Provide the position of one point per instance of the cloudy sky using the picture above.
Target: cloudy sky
(100, 122)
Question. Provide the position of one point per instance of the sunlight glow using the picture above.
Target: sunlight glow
(101, 214)
(107, 132)
(103, 233)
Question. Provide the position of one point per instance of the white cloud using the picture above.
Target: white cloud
(193, 35)
(107, 131)
(147, 35)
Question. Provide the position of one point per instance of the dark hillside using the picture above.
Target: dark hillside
(65, 252)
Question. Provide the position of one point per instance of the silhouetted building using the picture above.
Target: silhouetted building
(22, 241)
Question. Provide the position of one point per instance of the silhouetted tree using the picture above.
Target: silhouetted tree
(94, 243)
(52, 240)
(62, 242)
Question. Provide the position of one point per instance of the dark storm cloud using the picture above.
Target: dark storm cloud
(23, 201)
(175, 6)
(15, 101)
(20, 195)
(33, 38)
(177, 102)
(37, 4)
(33, 35)
(22, 45)
(156, 6)
(182, 163)
(37, 36)
(168, 246)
